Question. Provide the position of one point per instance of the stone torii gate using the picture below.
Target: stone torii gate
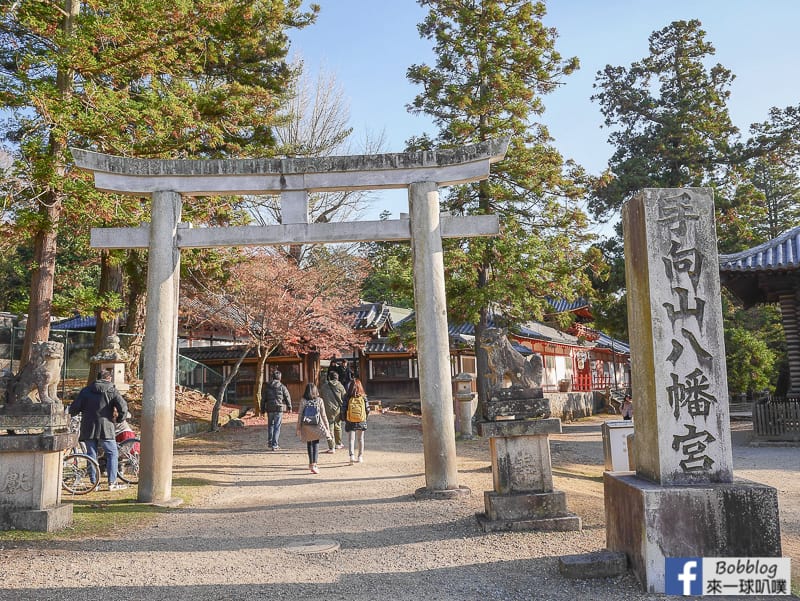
(166, 181)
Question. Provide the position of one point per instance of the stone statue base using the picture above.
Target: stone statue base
(527, 511)
(30, 466)
(650, 522)
(516, 402)
(523, 497)
(30, 482)
(27, 415)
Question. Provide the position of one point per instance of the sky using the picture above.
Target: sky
(369, 44)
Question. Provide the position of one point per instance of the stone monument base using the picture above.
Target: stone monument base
(523, 497)
(650, 522)
(427, 494)
(527, 511)
(30, 482)
(39, 520)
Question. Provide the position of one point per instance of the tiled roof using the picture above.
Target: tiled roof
(779, 254)
(465, 328)
(606, 341)
(561, 306)
(539, 331)
(522, 350)
(76, 323)
(370, 316)
(382, 345)
(210, 353)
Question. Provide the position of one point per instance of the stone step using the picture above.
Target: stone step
(562, 523)
(598, 564)
(523, 506)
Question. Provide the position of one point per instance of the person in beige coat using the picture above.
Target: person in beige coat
(312, 424)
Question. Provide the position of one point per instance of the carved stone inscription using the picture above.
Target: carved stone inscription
(14, 482)
(680, 298)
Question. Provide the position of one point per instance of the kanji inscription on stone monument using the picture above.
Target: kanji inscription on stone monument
(678, 353)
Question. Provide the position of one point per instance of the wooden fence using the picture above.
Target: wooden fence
(777, 420)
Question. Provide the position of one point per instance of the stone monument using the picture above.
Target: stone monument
(683, 500)
(30, 463)
(518, 424)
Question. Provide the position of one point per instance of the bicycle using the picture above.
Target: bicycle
(78, 466)
(128, 459)
(76, 475)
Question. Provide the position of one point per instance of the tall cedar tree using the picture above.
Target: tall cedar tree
(270, 302)
(670, 126)
(145, 78)
(494, 62)
(669, 117)
(766, 202)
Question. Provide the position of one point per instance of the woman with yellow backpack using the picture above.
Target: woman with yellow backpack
(355, 411)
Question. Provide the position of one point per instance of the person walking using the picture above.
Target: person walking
(627, 408)
(312, 424)
(101, 406)
(356, 410)
(333, 395)
(346, 376)
(275, 401)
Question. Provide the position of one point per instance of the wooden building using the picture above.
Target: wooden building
(579, 360)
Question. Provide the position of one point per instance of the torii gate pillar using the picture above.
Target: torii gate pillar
(433, 342)
(166, 180)
(160, 350)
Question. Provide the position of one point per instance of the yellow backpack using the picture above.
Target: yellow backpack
(357, 409)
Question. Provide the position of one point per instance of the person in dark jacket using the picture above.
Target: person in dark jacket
(275, 400)
(333, 395)
(346, 376)
(101, 406)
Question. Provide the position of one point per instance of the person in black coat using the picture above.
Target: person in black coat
(275, 400)
(101, 406)
(346, 376)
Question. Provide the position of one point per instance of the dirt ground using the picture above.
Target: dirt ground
(263, 527)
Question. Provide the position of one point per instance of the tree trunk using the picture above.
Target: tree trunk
(260, 369)
(107, 323)
(136, 273)
(110, 283)
(223, 389)
(481, 363)
(44, 259)
(312, 364)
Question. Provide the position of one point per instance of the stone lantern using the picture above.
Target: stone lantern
(112, 357)
(464, 398)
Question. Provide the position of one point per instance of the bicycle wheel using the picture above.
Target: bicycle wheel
(76, 474)
(129, 460)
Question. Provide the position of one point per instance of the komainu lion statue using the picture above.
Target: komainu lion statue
(42, 372)
(506, 366)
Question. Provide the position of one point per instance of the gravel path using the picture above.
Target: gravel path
(247, 535)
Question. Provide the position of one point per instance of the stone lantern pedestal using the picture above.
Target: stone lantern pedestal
(523, 497)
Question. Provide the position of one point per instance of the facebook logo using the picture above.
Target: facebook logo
(684, 576)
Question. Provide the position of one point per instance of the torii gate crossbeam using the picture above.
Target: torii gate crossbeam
(166, 181)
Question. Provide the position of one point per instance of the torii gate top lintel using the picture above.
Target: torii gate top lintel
(275, 176)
